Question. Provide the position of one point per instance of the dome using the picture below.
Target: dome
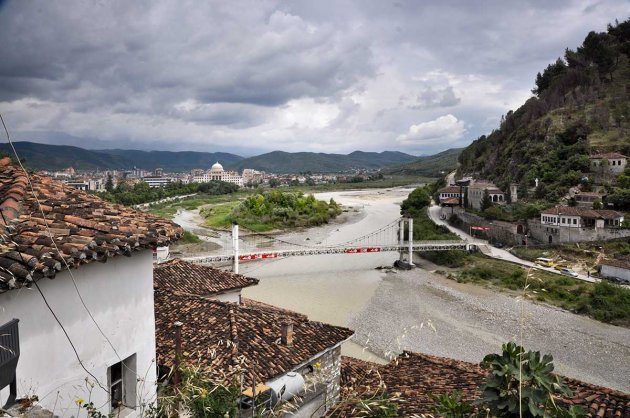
(216, 167)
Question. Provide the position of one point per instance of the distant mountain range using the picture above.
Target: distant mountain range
(300, 162)
(58, 157)
(428, 166)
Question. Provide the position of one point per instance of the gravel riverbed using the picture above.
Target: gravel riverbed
(421, 311)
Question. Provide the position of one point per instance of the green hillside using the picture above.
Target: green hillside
(428, 166)
(300, 162)
(58, 157)
(581, 105)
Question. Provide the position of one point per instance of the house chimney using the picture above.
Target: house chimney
(287, 334)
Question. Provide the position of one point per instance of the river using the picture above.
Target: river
(422, 311)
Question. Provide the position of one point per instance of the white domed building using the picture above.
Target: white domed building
(217, 173)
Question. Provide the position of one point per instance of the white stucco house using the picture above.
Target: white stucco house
(64, 357)
(613, 162)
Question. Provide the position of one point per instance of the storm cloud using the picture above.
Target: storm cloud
(252, 76)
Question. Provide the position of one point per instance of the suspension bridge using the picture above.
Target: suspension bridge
(391, 237)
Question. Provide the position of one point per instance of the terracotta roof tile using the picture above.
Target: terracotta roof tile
(417, 375)
(195, 279)
(85, 228)
(450, 189)
(219, 335)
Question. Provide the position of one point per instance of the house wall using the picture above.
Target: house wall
(611, 271)
(542, 232)
(119, 293)
(232, 297)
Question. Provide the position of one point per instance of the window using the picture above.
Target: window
(121, 378)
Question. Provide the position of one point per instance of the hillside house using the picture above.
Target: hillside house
(451, 195)
(579, 217)
(612, 162)
(575, 224)
(418, 376)
(92, 236)
(267, 346)
(477, 190)
(586, 199)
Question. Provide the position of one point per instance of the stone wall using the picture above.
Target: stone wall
(504, 232)
(559, 234)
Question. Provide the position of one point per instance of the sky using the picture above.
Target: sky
(255, 76)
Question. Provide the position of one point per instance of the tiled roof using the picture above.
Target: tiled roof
(624, 264)
(85, 228)
(219, 335)
(583, 212)
(610, 155)
(450, 189)
(416, 375)
(194, 279)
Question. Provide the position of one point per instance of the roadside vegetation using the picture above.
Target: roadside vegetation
(602, 301)
(272, 210)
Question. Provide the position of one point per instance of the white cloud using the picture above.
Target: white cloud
(445, 129)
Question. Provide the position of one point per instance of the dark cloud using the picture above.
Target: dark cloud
(295, 75)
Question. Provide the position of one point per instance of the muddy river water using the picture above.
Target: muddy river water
(422, 311)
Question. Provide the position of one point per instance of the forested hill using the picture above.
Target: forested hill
(296, 162)
(58, 157)
(428, 166)
(581, 105)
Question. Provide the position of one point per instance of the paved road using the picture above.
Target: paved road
(435, 212)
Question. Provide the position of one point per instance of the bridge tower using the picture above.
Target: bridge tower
(401, 239)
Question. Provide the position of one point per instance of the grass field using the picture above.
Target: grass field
(217, 215)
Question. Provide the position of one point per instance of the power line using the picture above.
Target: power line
(28, 178)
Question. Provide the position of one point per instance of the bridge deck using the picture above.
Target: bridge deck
(417, 246)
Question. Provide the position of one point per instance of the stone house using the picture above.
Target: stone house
(90, 332)
(586, 199)
(416, 377)
(576, 224)
(619, 269)
(612, 162)
(477, 190)
(451, 195)
(265, 346)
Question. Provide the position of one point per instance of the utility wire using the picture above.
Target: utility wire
(50, 235)
(60, 256)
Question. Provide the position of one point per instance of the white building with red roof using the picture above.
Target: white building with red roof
(85, 324)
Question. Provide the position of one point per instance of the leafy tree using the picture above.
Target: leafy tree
(273, 183)
(597, 204)
(551, 73)
(486, 201)
(418, 199)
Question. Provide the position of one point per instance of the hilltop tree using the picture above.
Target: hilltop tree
(109, 184)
